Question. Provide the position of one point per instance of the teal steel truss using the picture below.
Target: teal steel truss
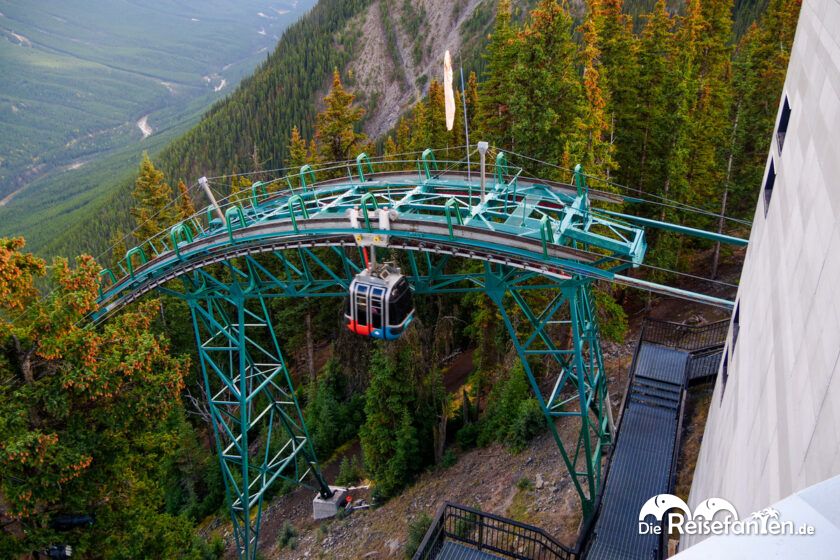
(579, 387)
(259, 430)
(542, 244)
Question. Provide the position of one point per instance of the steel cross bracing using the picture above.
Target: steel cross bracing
(580, 386)
(542, 245)
(249, 393)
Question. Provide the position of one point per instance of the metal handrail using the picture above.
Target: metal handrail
(486, 531)
(685, 337)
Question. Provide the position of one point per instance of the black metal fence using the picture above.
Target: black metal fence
(490, 533)
(685, 337)
(704, 364)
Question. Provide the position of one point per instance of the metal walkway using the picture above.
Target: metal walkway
(668, 357)
(457, 551)
(641, 464)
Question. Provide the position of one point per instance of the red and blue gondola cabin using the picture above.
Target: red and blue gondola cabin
(380, 303)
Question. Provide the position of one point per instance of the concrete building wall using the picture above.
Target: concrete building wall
(774, 421)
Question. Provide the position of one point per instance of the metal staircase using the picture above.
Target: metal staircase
(462, 533)
(643, 463)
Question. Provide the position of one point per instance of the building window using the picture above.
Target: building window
(768, 185)
(736, 325)
(724, 373)
(783, 124)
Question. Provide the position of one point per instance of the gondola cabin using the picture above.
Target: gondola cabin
(380, 303)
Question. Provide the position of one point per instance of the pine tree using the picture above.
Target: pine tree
(314, 157)
(335, 126)
(590, 144)
(421, 135)
(456, 135)
(240, 190)
(618, 55)
(471, 95)
(403, 139)
(388, 436)
(18, 272)
(646, 168)
(760, 62)
(185, 205)
(153, 211)
(332, 417)
(547, 92)
(297, 151)
(82, 412)
(118, 249)
(707, 34)
(436, 114)
(390, 152)
(495, 121)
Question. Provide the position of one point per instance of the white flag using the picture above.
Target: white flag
(448, 94)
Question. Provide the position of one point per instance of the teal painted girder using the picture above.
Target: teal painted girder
(548, 226)
(580, 386)
(537, 240)
(258, 426)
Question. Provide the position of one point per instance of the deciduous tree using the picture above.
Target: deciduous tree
(84, 417)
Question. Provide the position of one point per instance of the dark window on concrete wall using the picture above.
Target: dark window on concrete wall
(736, 325)
(724, 373)
(768, 185)
(783, 124)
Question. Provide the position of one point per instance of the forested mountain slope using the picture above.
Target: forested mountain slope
(251, 127)
(85, 80)
(387, 53)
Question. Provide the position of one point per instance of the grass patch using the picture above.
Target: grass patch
(288, 536)
(519, 509)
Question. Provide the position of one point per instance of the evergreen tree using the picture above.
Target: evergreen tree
(436, 114)
(547, 92)
(513, 415)
(240, 190)
(760, 64)
(332, 416)
(388, 436)
(707, 34)
(646, 168)
(456, 135)
(118, 249)
(618, 57)
(471, 95)
(590, 144)
(18, 272)
(297, 151)
(390, 152)
(314, 156)
(86, 417)
(185, 205)
(403, 132)
(494, 116)
(421, 135)
(153, 211)
(335, 126)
